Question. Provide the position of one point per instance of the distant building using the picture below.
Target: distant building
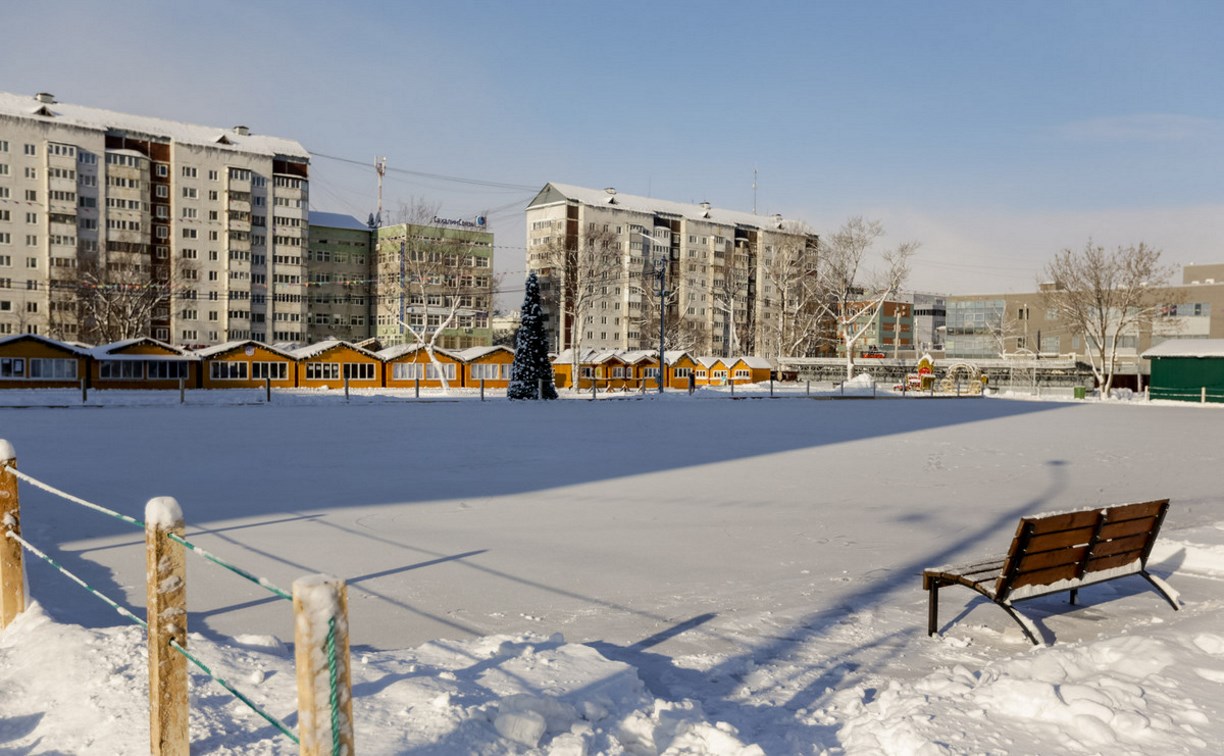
(988, 326)
(339, 279)
(725, 292)
(425, 273)
(220, 212)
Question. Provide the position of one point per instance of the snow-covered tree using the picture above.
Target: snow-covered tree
(1104, 296)
(848, 295)
(431, 280)
(531, 374)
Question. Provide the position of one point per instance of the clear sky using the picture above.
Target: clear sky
(993, 133)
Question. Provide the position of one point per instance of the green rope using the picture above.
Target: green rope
(334, 695)
(231, 567)
(253, 706)
(34, 550)
(74, 499)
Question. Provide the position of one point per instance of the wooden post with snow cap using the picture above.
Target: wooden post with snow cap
(167, 616)
(12, 575)
(321, 649)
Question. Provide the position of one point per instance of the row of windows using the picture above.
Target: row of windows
(141, 370)
(237, 371)
(37, 368)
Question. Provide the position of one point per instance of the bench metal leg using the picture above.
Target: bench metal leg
(933, 609)
(1163, 588)
(1074, 593)
(1026, 624)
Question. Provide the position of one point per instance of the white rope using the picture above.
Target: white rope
(65, 495)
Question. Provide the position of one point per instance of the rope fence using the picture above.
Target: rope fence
(319, 602)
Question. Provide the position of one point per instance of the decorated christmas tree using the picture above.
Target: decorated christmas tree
(532, 375)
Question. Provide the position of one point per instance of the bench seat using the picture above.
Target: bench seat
(1058, 552)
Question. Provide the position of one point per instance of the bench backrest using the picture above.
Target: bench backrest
(1048, 549)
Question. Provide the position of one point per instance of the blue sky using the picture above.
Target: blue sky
(993, 133)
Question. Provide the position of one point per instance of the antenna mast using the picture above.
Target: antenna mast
(380, 167)
(754, 188)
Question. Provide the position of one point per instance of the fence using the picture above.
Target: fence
(325, 721)
(1202, 395)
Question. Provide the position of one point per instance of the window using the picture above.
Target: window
(277, 371)
(166, 369)
(113, 370)
(53, 369)
(408, 371)
(31, 149)
(190, 192)
(448, 369)
(190, 172)
(322, 371)
(488, 372)
(12, 367)
(227, 371)
(359, 371)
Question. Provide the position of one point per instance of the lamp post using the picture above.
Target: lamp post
(660, 265)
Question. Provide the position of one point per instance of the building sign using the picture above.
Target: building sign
(462, 223)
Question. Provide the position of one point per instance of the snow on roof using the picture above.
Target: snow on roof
(314, 350)
(475, 353)
(24, 106)
(337, 220)
(110, 351)
(757, 363)
(652, 205)
(67, 346)
(230, 346)
(399, 350)
(709, 360)
(1186, 348)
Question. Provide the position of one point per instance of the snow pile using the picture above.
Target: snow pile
(86, 691)
(1102, 695)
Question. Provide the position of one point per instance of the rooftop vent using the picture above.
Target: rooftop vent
(611, 190)
(242, 131)
(45, 97)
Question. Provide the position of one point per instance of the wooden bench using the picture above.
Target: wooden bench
(1060, 552)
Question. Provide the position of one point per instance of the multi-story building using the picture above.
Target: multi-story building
(730, 277)
(985, 326)
(339, 273)
(433, 279)
(99, 202)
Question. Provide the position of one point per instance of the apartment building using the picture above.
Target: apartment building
(339, 277)
(209, 225)
(602, 256)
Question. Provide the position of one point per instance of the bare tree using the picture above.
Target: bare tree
(578, 273)
(730, 297)
(1104, 296)
(850, 295)
(793, 293)
(430, 281)
(117, 296)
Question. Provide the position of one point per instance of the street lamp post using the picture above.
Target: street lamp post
(660, 264)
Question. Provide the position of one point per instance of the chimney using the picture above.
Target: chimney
(45, 97)
(242, 131)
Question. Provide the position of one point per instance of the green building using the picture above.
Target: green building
(1190, 370)
(434, 282)
(338, 276)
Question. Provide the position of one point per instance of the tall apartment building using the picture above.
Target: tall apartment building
(218, 216)
(728, 274)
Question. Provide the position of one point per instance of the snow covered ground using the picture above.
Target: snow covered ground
(645, 575)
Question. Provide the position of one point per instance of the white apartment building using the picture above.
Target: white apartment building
(219, 215)
(724, 293)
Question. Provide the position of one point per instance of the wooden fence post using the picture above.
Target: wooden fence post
(321, 643)
(166, 571)
(12, 577)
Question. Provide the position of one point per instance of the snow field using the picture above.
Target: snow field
(695, 577)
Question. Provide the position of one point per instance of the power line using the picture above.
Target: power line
(434, 176)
